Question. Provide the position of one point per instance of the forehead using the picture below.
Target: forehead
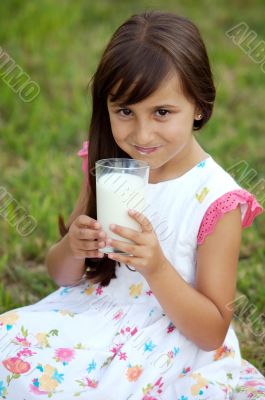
(169, 88)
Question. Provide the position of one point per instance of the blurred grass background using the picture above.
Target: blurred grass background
(59, 44)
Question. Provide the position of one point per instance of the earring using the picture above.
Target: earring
(199, 116)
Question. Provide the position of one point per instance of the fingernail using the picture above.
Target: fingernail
(112, 226)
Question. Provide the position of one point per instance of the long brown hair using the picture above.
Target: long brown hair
(140, 54)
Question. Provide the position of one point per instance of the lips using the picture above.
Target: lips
(146, 150)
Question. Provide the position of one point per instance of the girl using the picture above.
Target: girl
(156, 324)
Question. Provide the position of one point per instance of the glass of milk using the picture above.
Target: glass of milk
(121, 185)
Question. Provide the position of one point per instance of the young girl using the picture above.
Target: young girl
(155, 324)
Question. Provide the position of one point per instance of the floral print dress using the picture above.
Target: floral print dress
(116, 342)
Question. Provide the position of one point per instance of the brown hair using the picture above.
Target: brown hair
(141, 53)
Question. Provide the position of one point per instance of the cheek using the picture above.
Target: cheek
(119, 135)
(180, 128)
(119, 130)
(178, 135)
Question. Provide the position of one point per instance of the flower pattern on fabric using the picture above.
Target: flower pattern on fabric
(151, 390)
(85, 340)
(89, 290)
(65, 312)
(149, 292)
(48, 381)
(19, 364)
(8, 320)
(251, 384)
(184, 372)
(201, 383)
(64, 291)
(87, 384)
(170, 327)
(202, 194)
(201, 164)
(64, 355)
(99, 290)
(149, 346)
(118, 315)
(91, 366)
(223, 351)
(16, 365)
(127, 331)
(133, 372)
(3, 390)
(21, 339)
(42, 338)
(136, 290)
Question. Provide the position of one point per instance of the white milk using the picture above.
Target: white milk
(116, 194)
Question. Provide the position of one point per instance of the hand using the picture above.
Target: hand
(86, 237)
(147, 256)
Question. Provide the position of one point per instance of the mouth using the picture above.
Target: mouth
(146, 150)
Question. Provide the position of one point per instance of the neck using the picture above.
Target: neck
(191, 155)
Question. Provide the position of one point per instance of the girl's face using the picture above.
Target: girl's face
(157, 129)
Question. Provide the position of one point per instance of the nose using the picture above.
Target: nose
(144, 133)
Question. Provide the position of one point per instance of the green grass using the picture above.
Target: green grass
(59, 44)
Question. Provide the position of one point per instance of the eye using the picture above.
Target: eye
(162, 112)
(124, 112)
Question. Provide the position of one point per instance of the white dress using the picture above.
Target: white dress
(115, 342)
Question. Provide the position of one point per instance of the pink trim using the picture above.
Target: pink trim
(83, 153)
(227, 202)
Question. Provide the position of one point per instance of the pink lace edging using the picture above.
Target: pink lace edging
(227, 202)
(83, 153)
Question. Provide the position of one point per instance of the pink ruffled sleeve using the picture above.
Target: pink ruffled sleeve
(83, 153)
(250, 208)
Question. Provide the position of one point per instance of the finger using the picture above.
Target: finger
(142, 220)
(80, 254)
(127, 233)
(126, 259)
(87, 245)
(124, 246)
(90, 234)
(85, 220)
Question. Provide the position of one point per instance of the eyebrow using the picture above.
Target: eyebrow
(117, 103)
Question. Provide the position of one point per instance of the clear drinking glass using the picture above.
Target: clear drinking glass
(120, 185)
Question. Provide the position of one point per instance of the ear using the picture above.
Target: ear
(198, 114)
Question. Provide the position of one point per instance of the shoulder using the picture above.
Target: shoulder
(215, 181)
(215, 193)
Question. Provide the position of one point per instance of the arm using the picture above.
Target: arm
(200, 313)
(63, 268)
